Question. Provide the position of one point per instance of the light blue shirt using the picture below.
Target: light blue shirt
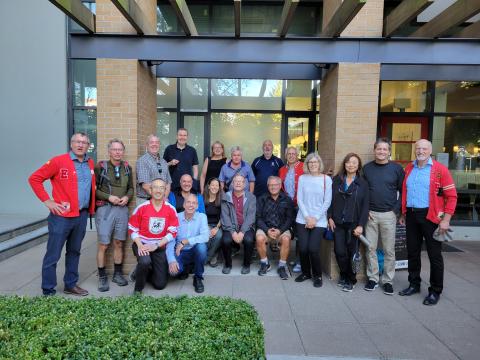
(290, 183)
(418, 185)
(84, 180)
(195, 230)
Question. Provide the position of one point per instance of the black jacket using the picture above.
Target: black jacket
(277, 214)
(349, 206)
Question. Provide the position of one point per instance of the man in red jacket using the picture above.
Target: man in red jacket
(73, 192)
(429, 198)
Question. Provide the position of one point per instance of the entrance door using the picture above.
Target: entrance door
(301, 133)
(404, 132)
(195, 124)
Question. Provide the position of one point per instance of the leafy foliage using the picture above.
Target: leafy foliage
(129, 328)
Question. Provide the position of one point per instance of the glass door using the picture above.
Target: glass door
(301, 133)
(404, 132)
(195, 125)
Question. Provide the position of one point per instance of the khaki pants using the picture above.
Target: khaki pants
(381, 225)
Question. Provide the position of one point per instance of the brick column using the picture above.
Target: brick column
(349, 105)
(126, 99)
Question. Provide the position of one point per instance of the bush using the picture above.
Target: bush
(129, 328)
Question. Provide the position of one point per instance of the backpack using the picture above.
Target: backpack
(104, 177)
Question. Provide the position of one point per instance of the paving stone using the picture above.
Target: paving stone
(282, 337)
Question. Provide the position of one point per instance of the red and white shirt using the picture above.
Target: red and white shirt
(150, 225)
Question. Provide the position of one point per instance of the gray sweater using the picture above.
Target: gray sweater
(229, 218)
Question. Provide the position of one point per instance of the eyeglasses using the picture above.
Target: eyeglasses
(116, 149)
(81, 142)
(117, 172)
(313, 162)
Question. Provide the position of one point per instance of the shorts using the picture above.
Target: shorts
(111, 220)
(261, 232)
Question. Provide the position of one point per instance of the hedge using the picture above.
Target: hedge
(129, 328)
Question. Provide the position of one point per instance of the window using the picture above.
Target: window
(462, 96)
(193, 94)
(166, 128)
(404, 96)
(298, 95)
(167, 93)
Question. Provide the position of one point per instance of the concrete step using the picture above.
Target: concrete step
(20, 228)
(23, 242)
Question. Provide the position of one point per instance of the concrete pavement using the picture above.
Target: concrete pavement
(303, 322)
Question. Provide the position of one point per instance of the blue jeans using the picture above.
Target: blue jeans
(63, 230)
(196, 255)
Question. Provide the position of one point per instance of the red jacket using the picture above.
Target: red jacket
(438, 205)
(60, 170)
(282, 172)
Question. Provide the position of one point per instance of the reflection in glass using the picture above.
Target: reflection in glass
(403, 96)
(166, 128)
(298, 95)
(86, 121)
(403, 137)
(193, 94)
(305, 20)
(167, 20)
(223, 19)
(201, 18)
(84, 83)
(261, 19)
(248, 131)
(298, 134)
(167, 92)
(195, 126)
(459, 97)
(246, 94)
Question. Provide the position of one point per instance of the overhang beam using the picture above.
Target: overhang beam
(184, 17)
(402, 14)
(452, 16)
(470, 32)
(237, 7)
(342, 17)
(134, 15)
(286, 19)
(77, 12)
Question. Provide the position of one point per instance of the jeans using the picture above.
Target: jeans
(248, 242)
(418, 228)
(309, 241)
(214, 243)
(152, 267)
(196, 255)
(63, 230)
(344, 247)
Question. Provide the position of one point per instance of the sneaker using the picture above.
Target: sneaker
(226, 270)
(119, 279)
(103, 284)
(282, 272)
(317, 282)
(388, 289)
(245, 270)
(370, 285)
(264, 268)
(348, 287)
(132, 275)
(341, 282)
(297, 268)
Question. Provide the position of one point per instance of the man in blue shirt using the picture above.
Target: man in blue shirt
(265, 166)
(190, 246)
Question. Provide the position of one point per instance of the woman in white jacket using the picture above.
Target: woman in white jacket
(314, 197)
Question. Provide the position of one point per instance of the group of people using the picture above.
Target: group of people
(184, 219)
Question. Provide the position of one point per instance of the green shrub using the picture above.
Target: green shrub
(129, 328)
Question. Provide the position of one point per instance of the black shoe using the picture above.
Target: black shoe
(388, 289)
(198, 285)
(119, 279)
(341, 282)
(103, 284)
(226, 270)
(183, 275)
(370, 285)
(282, 272)
(431, 299)
(348, 287)
(264, 268)
(302, 278)
(317, 282)
(245, 269)
(409, 291)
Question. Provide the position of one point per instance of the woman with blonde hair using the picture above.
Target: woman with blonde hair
(313, 198)
(213, 164)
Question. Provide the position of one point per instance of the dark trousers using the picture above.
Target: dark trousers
(344, 247)
(247, 242)
(309, 241)
(196, 255)
(418, 228)
(63, 231)
(152, 267)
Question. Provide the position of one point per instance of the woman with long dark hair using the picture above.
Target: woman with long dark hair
(212, 196)
(348, 215)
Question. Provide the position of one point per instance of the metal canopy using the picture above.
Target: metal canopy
(471, 31)
(184, 17)
(134, 15)
(77, 12)
(402, 14)
(342, 17)
(271, 50)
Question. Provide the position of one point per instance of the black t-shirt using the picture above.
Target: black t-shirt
(214, 167)
(187, 157)
(213, 213)
(384, 180)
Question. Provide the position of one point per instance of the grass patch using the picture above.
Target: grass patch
(129, 328)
